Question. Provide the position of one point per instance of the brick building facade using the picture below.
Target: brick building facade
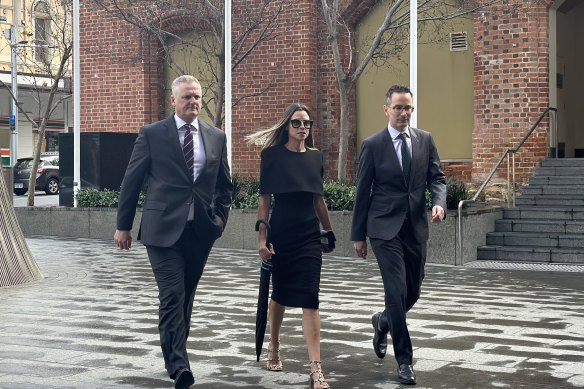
(121, 78)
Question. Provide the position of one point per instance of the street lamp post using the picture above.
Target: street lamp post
(14, 90)
(14, 46)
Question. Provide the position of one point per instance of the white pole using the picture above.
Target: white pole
(227, 66)
(14, 39)
(14, 86)
(76, 102)
(414, 57)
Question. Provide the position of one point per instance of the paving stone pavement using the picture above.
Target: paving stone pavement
(91, 323)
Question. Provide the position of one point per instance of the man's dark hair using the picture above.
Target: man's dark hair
(396, 89)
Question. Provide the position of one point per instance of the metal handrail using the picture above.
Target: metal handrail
(510, 154)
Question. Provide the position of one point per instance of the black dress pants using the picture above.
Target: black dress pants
(401, 263)
(177, 270)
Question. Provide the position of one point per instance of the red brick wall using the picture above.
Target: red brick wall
(121, 79)
(303, 72)
(121, 82)
(511, 87)
(290, 65)
(115, 83)
(461, 171)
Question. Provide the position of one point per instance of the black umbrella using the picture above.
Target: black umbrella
(263, 294)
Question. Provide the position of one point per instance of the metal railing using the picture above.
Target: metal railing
(510, 155)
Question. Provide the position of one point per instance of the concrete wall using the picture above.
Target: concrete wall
(99, 223)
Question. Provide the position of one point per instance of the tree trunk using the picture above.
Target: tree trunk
(344, 132)
(35, 164)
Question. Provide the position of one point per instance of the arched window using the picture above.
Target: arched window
(42, 31)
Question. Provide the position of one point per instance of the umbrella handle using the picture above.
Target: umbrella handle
(268, 229)
(266, 265)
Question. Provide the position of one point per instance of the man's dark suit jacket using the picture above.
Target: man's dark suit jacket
(383, 200)
(158, 158)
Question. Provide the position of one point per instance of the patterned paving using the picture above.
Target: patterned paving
(91, 323)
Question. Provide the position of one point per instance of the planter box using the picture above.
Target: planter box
(100, 223)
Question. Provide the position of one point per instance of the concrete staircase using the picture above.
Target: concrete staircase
(547, 223)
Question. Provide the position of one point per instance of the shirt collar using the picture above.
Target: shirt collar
(180, 123)
(395, 133)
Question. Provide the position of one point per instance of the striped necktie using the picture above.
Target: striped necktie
(188, 150)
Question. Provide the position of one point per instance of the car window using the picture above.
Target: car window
(24, 164)
(52, 161)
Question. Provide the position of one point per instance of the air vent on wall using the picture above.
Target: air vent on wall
(458, 41)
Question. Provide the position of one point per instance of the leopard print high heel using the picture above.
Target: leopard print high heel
(274, 362)
(317, 380)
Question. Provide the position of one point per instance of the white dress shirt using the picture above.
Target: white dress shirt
(397, 141)
(199, 150)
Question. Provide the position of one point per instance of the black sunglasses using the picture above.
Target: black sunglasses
(296, 123)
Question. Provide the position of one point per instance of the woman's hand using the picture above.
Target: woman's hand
(328, 240)
(266, 251)
(327, 250)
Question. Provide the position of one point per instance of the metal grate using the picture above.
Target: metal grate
(526, 266)
(458, 41)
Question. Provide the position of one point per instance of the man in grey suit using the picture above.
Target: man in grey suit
(184, 163)
(395, 167)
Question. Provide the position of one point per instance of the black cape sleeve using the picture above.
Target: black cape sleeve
(284, 171)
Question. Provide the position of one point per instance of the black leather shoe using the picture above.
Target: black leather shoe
(184, 379)
(405, 374)
(379, 337)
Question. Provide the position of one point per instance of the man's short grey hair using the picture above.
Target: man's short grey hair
(185, 79)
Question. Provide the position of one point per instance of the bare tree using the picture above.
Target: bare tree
(46, 62)
(390, 39)
(202, 44)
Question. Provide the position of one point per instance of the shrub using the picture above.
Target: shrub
(338, 196)
(455, 191)
(107, 198)
(97, 198)
(246, 195)
(246, 192)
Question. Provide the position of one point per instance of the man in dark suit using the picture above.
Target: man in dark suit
(184, 162)
(395, 167)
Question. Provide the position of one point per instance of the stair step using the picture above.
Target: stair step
(530, 254)
(535, 239)
(558, 200)
(559, 171)
(547, 213)
(556, 180)
(539, 189)
(543, 226)
(549, 162)
(547, 223)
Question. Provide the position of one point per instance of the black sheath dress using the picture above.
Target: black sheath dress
(293, 178)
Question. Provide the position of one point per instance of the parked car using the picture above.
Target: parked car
(47, 175)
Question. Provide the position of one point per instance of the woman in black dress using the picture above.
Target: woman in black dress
(292, 170)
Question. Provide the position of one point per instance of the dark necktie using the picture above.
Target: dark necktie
(188, 150)
(406, 158)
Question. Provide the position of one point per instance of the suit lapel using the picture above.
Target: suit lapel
(177, 153)
(388, 145)
(416, 149)
(206, 139)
